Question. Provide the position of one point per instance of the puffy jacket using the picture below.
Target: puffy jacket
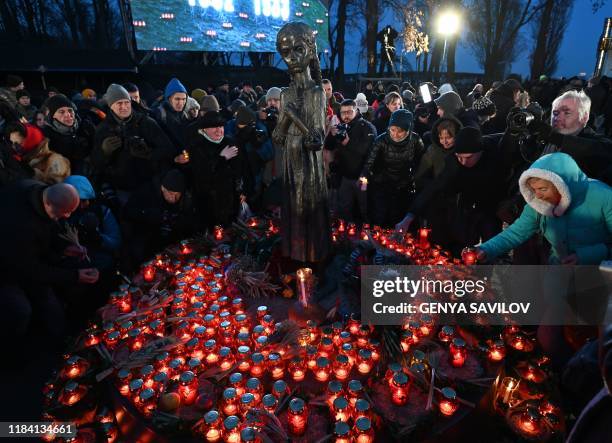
(350, 158)
(394, 162)
(433, 160)
(581, 223)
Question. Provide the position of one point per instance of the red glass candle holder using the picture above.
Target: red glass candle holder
(400, 385)
(297, 419)
(364, 361)
(280, 388)
(269, 403)
(276, 366)
(231, 429)
(322, 370)
(364, 433)
(497, 351)
(334, 390)
(458, 352)
(229, 402)
(188, 387)
(236, 381)
(342, 432)
(213, 427)
(447, 401)
(446, 334)
(253, 386)
(341, 367)
(297, 369)
(257, 364)
(341, 409)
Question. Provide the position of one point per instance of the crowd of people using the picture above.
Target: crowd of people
(94, 183)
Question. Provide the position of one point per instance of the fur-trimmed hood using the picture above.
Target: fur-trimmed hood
(564, 173)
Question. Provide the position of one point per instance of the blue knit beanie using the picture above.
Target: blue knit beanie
(402, 118)
(173, 87)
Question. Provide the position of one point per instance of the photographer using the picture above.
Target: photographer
(252, 137)
(159, 214)
(129, 147)
(351, 140)
(272, 108)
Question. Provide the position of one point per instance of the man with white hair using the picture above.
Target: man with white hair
(568, 132)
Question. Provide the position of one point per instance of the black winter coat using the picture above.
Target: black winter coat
(12, 169)
(392, 162)
(350, 159)
(174, 125)
(216, 182)
(145, 153)
(160, 222)
(75, 145)
(381, 120)
(480, 187)
(28, 237)
(502, 98)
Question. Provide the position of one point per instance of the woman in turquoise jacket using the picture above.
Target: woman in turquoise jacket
(573, 212)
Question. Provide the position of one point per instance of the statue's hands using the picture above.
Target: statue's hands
(291, 108)
(313, 141)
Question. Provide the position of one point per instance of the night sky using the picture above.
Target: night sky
(577, 52)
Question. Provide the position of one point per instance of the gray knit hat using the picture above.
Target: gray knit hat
(449, 102)
(115, 93)
(209, 103)
(274, 93)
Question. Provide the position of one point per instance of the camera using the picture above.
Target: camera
(518, 121)
(342, 129)
(271, 114)
(137, 147)
(250, 134)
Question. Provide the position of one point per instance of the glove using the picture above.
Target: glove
(140, 149)
(111, 144)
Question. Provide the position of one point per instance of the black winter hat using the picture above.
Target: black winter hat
(13, 81)
(211, 119)
(402, 118)
(484, 106)
(244, 116)
(236, 104)
(468, 141)
(58, 101)
(22, 93)
(174, 181)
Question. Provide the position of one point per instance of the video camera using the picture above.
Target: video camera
(520, 121)
(271, 114)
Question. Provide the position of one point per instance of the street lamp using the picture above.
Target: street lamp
(448, 25)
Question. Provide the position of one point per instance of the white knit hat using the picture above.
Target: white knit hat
(362, 102)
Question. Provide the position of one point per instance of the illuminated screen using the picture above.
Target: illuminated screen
(222, 25)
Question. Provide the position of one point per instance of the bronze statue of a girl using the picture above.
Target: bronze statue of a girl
(299, 133)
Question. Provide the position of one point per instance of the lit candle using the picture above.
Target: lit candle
(75, 367)
(446, 334)
(188, 387)
(497, 351)
(244, 362)
(257, 364)
(505, 392)
(147, 401)
(298, 417)
(468, 256)
(352, 229)
(322, 370)
(218, 233)
(146, 374)
(210, 350)
(341, 409)
(226, 358)
(296, 369)
(427, 325)
(72, 393)
(423, 240)
(364, 361)
(342, 432)
(448, 403)
(458, 352)
(124, 376)
(342, 367)
(340, 225)
(311, 357)
(212, 426)
(392, 369)
(363, 430)
(406, 340)
(304, 277)
(135, 387)
(229, 404)
(231, 429)
(353, 324)
(531, 422)
(148, 272)
(399, 389)
(253, 386)
(276, 366)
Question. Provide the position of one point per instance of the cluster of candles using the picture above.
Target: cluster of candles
(418, 248)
